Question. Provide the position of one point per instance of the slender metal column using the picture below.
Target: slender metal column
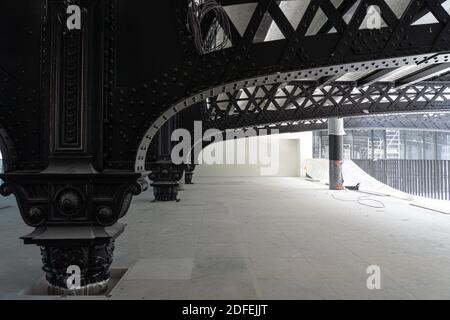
(336, 152)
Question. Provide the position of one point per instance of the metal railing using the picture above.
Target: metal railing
(425, 178)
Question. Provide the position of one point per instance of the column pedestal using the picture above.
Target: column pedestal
(189, 172)
(336, 153)
(75, 217)
(165, 190)
(165, 179)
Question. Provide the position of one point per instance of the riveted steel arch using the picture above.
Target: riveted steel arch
(151, 90)
(274, 79)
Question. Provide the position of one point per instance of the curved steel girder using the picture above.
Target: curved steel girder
(421, 122)
(144, 87)
(264, 81)
(143, 84)
(304, 101)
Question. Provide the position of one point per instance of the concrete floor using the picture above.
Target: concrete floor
(261, 238)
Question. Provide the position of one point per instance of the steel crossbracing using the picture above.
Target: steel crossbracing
(421, 122)
(306, 101)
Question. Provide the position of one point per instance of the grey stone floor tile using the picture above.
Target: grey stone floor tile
(221, 268)
(162, 269)
(295, 289)
(225, 250)
(151, 290)
(213, 289)
(252, 238)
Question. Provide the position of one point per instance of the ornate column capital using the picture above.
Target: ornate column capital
(165, 176)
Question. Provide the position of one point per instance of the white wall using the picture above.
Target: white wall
(294, 150)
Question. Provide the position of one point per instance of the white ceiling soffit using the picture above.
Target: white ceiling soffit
(373, 19)
(243, 95)
(349, 14)
(398, 6)
(429, 18)
(240, 15)
(403, 72)
(320, 19)
(274, 33)
(354, 76)
(446, 6)
(294, 11)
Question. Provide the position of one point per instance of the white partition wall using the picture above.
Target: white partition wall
(288, 161)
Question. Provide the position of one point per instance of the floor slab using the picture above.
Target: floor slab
(261, 238)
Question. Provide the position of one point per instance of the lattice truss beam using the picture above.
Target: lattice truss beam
(303, 100)
(264, 21)
(368, 91)
(284, 41)
(422, 122)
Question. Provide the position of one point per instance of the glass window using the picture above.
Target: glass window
(393, 144)
(429, 140)
(324, 146)
(378, 151)
(388, 144)
(361, 144)
(348, 145)
(413, 145)
(317, 144)
(443, 146)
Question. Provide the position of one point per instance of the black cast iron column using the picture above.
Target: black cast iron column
(73, 203)
(165, 175)
(189, 172)
(336, 152)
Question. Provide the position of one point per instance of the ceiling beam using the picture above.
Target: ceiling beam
(375, 76)
(326, 81)
(423, 75)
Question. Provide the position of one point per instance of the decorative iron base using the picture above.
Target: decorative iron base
(165, 176)
(96, 289)
(189, 172)
(165, 190)
(76, 259)
(93, 262)
(188, 177)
